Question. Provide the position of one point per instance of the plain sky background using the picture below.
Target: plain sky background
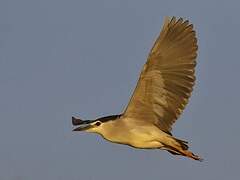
(83, 57)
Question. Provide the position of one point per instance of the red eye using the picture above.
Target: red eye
(98, 124)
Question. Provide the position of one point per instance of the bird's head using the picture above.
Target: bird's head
(98, 125)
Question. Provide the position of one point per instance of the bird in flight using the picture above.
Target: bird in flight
(162, 92)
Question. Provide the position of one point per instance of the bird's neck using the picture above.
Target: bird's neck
(113, 131)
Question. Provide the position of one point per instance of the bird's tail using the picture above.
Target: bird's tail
(180, 147)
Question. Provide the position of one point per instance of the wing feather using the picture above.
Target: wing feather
(167, 79)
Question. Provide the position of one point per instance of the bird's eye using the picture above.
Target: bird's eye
(97, 123)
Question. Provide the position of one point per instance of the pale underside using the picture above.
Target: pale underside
(166, 80)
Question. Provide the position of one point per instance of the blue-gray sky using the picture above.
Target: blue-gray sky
(62, 58)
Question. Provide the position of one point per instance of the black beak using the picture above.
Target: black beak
(82, 125)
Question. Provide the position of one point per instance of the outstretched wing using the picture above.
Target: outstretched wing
(166, 81)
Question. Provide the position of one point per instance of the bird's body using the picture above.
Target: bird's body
(144, 137)
(138, 136)
(163, 89)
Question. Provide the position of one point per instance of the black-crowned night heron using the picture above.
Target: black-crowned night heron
(163, 90)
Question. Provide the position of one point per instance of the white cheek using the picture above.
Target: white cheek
(90, 130)
(93, 130)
